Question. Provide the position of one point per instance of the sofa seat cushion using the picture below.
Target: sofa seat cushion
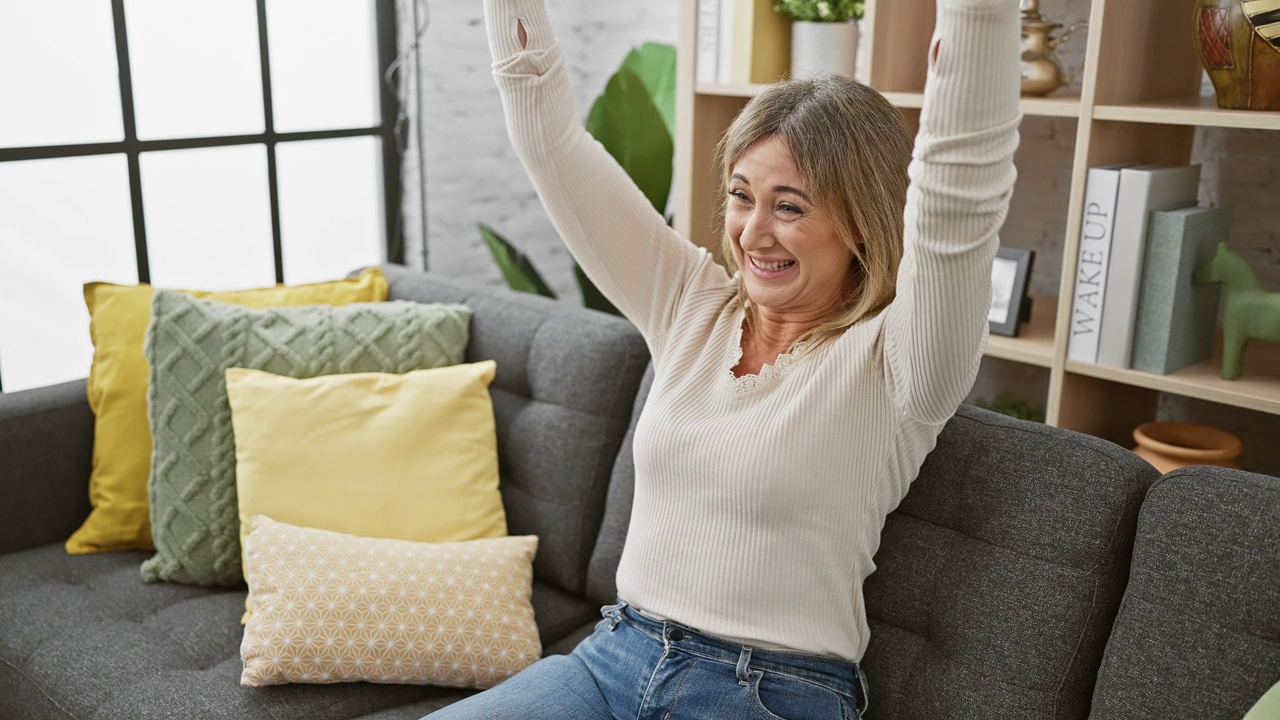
(1000, 573)
(84, 637)
(1198, 634)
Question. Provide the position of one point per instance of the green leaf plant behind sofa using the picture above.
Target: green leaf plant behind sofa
(1030, 572)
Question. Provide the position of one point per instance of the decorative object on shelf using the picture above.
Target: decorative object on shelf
(753, 42)
(634, 119)
(1251, 312)
(1009, 303)
(1177, 317)
(824, 35)
(1172, 445)
(1041, 71)
(1239, 45)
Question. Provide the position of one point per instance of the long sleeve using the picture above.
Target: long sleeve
(610, 228)
(962, 176)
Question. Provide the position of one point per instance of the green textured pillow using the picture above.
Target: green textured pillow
(191, 342)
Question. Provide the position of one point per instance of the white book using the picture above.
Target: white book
(1141, 190)
(1101, 186)
(724, 44)
(707, 58)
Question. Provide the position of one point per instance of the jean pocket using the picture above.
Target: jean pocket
(774, 696)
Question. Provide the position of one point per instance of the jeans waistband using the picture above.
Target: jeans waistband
(840, 675)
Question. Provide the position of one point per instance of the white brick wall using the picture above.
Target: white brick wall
(473, 174)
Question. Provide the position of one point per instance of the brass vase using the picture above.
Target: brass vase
(1239, 45)
(1042, 73)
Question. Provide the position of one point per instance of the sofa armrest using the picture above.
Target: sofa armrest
(46, 453)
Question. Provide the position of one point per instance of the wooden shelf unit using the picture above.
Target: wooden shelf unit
(1140, 100)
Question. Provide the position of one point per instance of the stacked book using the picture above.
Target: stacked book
(1141, 239)
(742, 41)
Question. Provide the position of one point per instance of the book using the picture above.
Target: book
(708, 40)
(1177, 318)
(1101, 185)
(759, 41)
(1142, 189)
(724, 41)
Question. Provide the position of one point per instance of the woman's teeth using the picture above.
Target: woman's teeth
(781, 265)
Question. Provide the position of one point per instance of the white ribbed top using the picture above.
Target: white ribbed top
(759, 504)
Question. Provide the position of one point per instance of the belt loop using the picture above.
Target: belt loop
(613, 613)
(744, 666)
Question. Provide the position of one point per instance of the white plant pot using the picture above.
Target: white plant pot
(823, 47)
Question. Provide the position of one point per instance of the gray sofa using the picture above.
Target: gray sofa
(1031, 572)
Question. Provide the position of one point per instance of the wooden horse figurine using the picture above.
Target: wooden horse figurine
(1251, 312)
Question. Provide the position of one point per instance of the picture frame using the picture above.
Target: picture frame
(1010, 273)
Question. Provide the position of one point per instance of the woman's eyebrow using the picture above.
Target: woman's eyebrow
(776, 188)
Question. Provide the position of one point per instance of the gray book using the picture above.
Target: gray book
(1176, 318)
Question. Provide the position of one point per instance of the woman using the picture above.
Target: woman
(794, 401)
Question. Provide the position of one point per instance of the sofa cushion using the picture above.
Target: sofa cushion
(191, 342)
(1198, 633)
(999, 575)
(84, 637)
(562, 399)
(602, 574)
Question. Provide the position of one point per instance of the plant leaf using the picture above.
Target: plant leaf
(591, 295)
(655, 65)
(628, 124)
(515, 266)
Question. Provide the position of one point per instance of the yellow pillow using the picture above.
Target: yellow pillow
(331, 607)
(407, 457)
(119, 315)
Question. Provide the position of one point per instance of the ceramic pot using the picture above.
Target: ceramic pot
(1171, 445)
(823, 47)
(1239, 45)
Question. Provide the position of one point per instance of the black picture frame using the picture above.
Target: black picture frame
(1010, 305)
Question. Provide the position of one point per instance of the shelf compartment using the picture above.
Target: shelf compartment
(1204, 111)
(1034, 343)
(1257, 389)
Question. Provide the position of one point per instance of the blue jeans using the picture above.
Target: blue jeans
(636, 668)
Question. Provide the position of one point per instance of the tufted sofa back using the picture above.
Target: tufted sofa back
(562, 397)
(999, 576)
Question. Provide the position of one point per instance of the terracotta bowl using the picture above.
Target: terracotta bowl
(1171, 445)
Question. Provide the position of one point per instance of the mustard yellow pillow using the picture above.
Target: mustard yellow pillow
(407, 457)
(331, 607)
(119, 315)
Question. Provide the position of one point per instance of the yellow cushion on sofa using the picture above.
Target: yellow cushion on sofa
(408, 457)
(331, 607)
(119, 315)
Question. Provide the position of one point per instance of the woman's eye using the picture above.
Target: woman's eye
(789, 208)
(739, 195)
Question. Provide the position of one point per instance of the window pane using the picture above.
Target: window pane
(323, 64)
(331, 217)
(59, 80)
(196, 67)
(63, 223)
(208, 217)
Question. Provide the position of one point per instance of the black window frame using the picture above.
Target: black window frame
(131, 147)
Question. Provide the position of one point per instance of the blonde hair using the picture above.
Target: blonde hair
(852, 149)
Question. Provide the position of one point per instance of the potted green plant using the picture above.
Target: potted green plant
(634, 119)
(824, 35)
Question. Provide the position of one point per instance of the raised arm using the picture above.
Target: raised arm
(962, 175)
(622, 244)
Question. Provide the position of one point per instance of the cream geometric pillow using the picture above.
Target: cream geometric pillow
(330, 607)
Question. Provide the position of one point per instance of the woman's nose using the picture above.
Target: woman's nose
(756, 233)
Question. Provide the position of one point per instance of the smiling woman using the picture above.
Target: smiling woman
(795, 396)
(805, 176)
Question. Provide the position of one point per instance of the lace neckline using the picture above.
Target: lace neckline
(769, 372)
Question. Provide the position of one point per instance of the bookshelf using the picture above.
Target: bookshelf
(1140, 99)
